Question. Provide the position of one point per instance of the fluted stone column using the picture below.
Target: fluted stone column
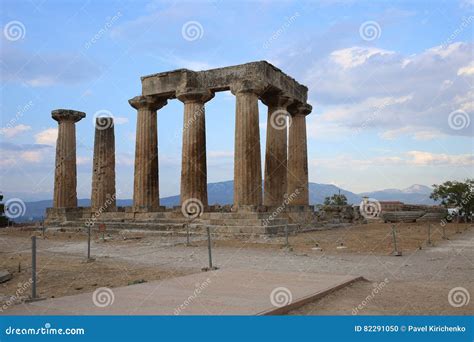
(298, 156)
(103, 197)
(247, 159)
(146, 196)
(275, 181)
(65, 177)
(193, 165)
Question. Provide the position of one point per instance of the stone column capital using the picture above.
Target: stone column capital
(248, 86)
(148, 102)
(300, 109)
(67, 115)
(194, 95)
(277, 100)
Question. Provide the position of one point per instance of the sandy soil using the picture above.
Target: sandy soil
(416, 283)
(61, 274)
(375, 238)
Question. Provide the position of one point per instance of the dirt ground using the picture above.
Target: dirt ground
(62, 274)
(396, 298)
(416, 283)
(374, 238)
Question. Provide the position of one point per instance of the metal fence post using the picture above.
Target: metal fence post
(33, 267)
(89, 242)
(187, 235)
(287, 243)
(429, 235)
(209, 246)
(394, 234)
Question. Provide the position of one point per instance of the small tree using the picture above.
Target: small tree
(336, 199)
(4, 221)
(456, 194)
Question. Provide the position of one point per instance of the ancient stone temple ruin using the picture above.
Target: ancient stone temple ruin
(283, 201)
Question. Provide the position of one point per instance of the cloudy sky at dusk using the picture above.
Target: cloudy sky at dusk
(391, 84)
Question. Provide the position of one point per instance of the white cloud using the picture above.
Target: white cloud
(17, 155)
(32, 156)
(355, 56)
(220, 154)
(120, 120)
(467, 70)
(41, 81)
(426, 158)
(47, 137)
(410, 158)
(83, 160)
(383, 90)
(10, 132)
(180, 62)
(38, 69)
(416, 133)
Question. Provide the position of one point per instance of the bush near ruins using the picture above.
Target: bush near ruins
(336, 199)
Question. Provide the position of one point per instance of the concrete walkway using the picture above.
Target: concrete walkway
(221, 292)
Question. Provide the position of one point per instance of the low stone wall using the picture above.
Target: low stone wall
(264, 221)
(338, 214)
(415, 213)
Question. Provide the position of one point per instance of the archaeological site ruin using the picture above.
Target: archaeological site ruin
(283, 201)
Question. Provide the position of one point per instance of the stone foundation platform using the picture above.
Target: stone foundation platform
(249, 221)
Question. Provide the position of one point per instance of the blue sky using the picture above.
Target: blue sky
(391, 84)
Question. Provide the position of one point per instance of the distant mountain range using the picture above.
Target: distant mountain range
(222, 193)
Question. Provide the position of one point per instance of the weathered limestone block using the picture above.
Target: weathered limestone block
(221, 79)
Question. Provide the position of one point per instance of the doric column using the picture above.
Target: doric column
(193, 165)
(247, 160)
(103, 197)
(298, 155)
(275, 183)
(65, 177)
(146, 196)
